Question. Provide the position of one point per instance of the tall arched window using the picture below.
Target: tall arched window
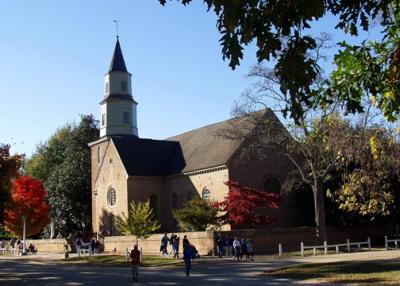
(174, 199)
(154, 205)
(111, 196)
(206, 195)
(272, 185)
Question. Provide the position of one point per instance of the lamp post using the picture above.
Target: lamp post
(23, 235)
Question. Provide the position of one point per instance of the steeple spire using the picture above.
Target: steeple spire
(117, 62)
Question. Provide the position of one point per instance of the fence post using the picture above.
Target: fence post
(126, 253)
(302, 248)
(141, 255)
(314, 251)
(395, 243)
(325, 248)
(280, 249)
(386, 243)
(348, 245)
(369, 244)
(337, 248)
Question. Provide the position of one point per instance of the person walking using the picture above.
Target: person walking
(187, 257)
(236, 247)
(185, 242)
(250, 251)
(164, 244)
(175, 245)
(220, 245)
(135, 261)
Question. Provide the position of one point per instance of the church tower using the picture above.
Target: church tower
(118, 108)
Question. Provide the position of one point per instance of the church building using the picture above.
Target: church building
(170, 172)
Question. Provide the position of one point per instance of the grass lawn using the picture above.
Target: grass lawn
(119, 260)
(354, 273)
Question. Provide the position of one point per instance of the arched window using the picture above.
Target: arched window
(272, 185)
(206, 195)
(174, 199)
(154, 205)
(111, 196)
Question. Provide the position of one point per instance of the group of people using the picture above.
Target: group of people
(93, 245)
(189, 250)
(235, 246)
(19, 244)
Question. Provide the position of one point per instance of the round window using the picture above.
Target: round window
(111, 197)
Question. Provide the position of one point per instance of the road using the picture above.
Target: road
(45, 271)
(24, 272)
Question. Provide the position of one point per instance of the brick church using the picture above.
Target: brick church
(173, 171)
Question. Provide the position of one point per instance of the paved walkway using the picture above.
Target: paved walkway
(44, 271)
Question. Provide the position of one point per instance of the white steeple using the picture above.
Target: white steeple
(118, 108)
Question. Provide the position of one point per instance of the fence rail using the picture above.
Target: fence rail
(387, 241)
(325, 247)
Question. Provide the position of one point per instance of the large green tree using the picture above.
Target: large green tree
(281, 31)
(63, 163)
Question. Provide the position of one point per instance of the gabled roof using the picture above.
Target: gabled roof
(210, 146)
(117, 62)
(147, 157)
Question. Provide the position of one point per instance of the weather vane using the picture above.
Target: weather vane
(116, 22)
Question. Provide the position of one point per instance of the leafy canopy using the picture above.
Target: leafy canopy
(140, 221)
(196, 215)
(69, 184)
(27, 199)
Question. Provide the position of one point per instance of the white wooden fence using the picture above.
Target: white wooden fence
(387, 241)
(325, 247)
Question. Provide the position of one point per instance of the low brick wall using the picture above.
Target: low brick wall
(203, 241)
(49, 245)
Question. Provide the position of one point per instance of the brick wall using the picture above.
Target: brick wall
(203, 241)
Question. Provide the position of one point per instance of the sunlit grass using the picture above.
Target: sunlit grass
(357, 273)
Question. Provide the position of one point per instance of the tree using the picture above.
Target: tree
(370, 172)
(9, 167)
(49, 155)
(140, 221)
(27, 199)
(69, 185)
(246, 207)
(196, 215)
(280, 30)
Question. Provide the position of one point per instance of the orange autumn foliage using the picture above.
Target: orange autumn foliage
(27, 198)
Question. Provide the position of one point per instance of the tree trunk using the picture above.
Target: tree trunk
(319, 206)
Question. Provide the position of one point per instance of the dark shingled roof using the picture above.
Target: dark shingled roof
(147, 157)
(117, 62)
(205, 147)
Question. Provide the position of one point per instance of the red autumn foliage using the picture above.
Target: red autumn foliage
(27, 198)
(246, 207)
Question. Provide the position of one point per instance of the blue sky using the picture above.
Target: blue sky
(54, 55)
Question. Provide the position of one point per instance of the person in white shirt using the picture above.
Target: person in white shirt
(236, 247)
